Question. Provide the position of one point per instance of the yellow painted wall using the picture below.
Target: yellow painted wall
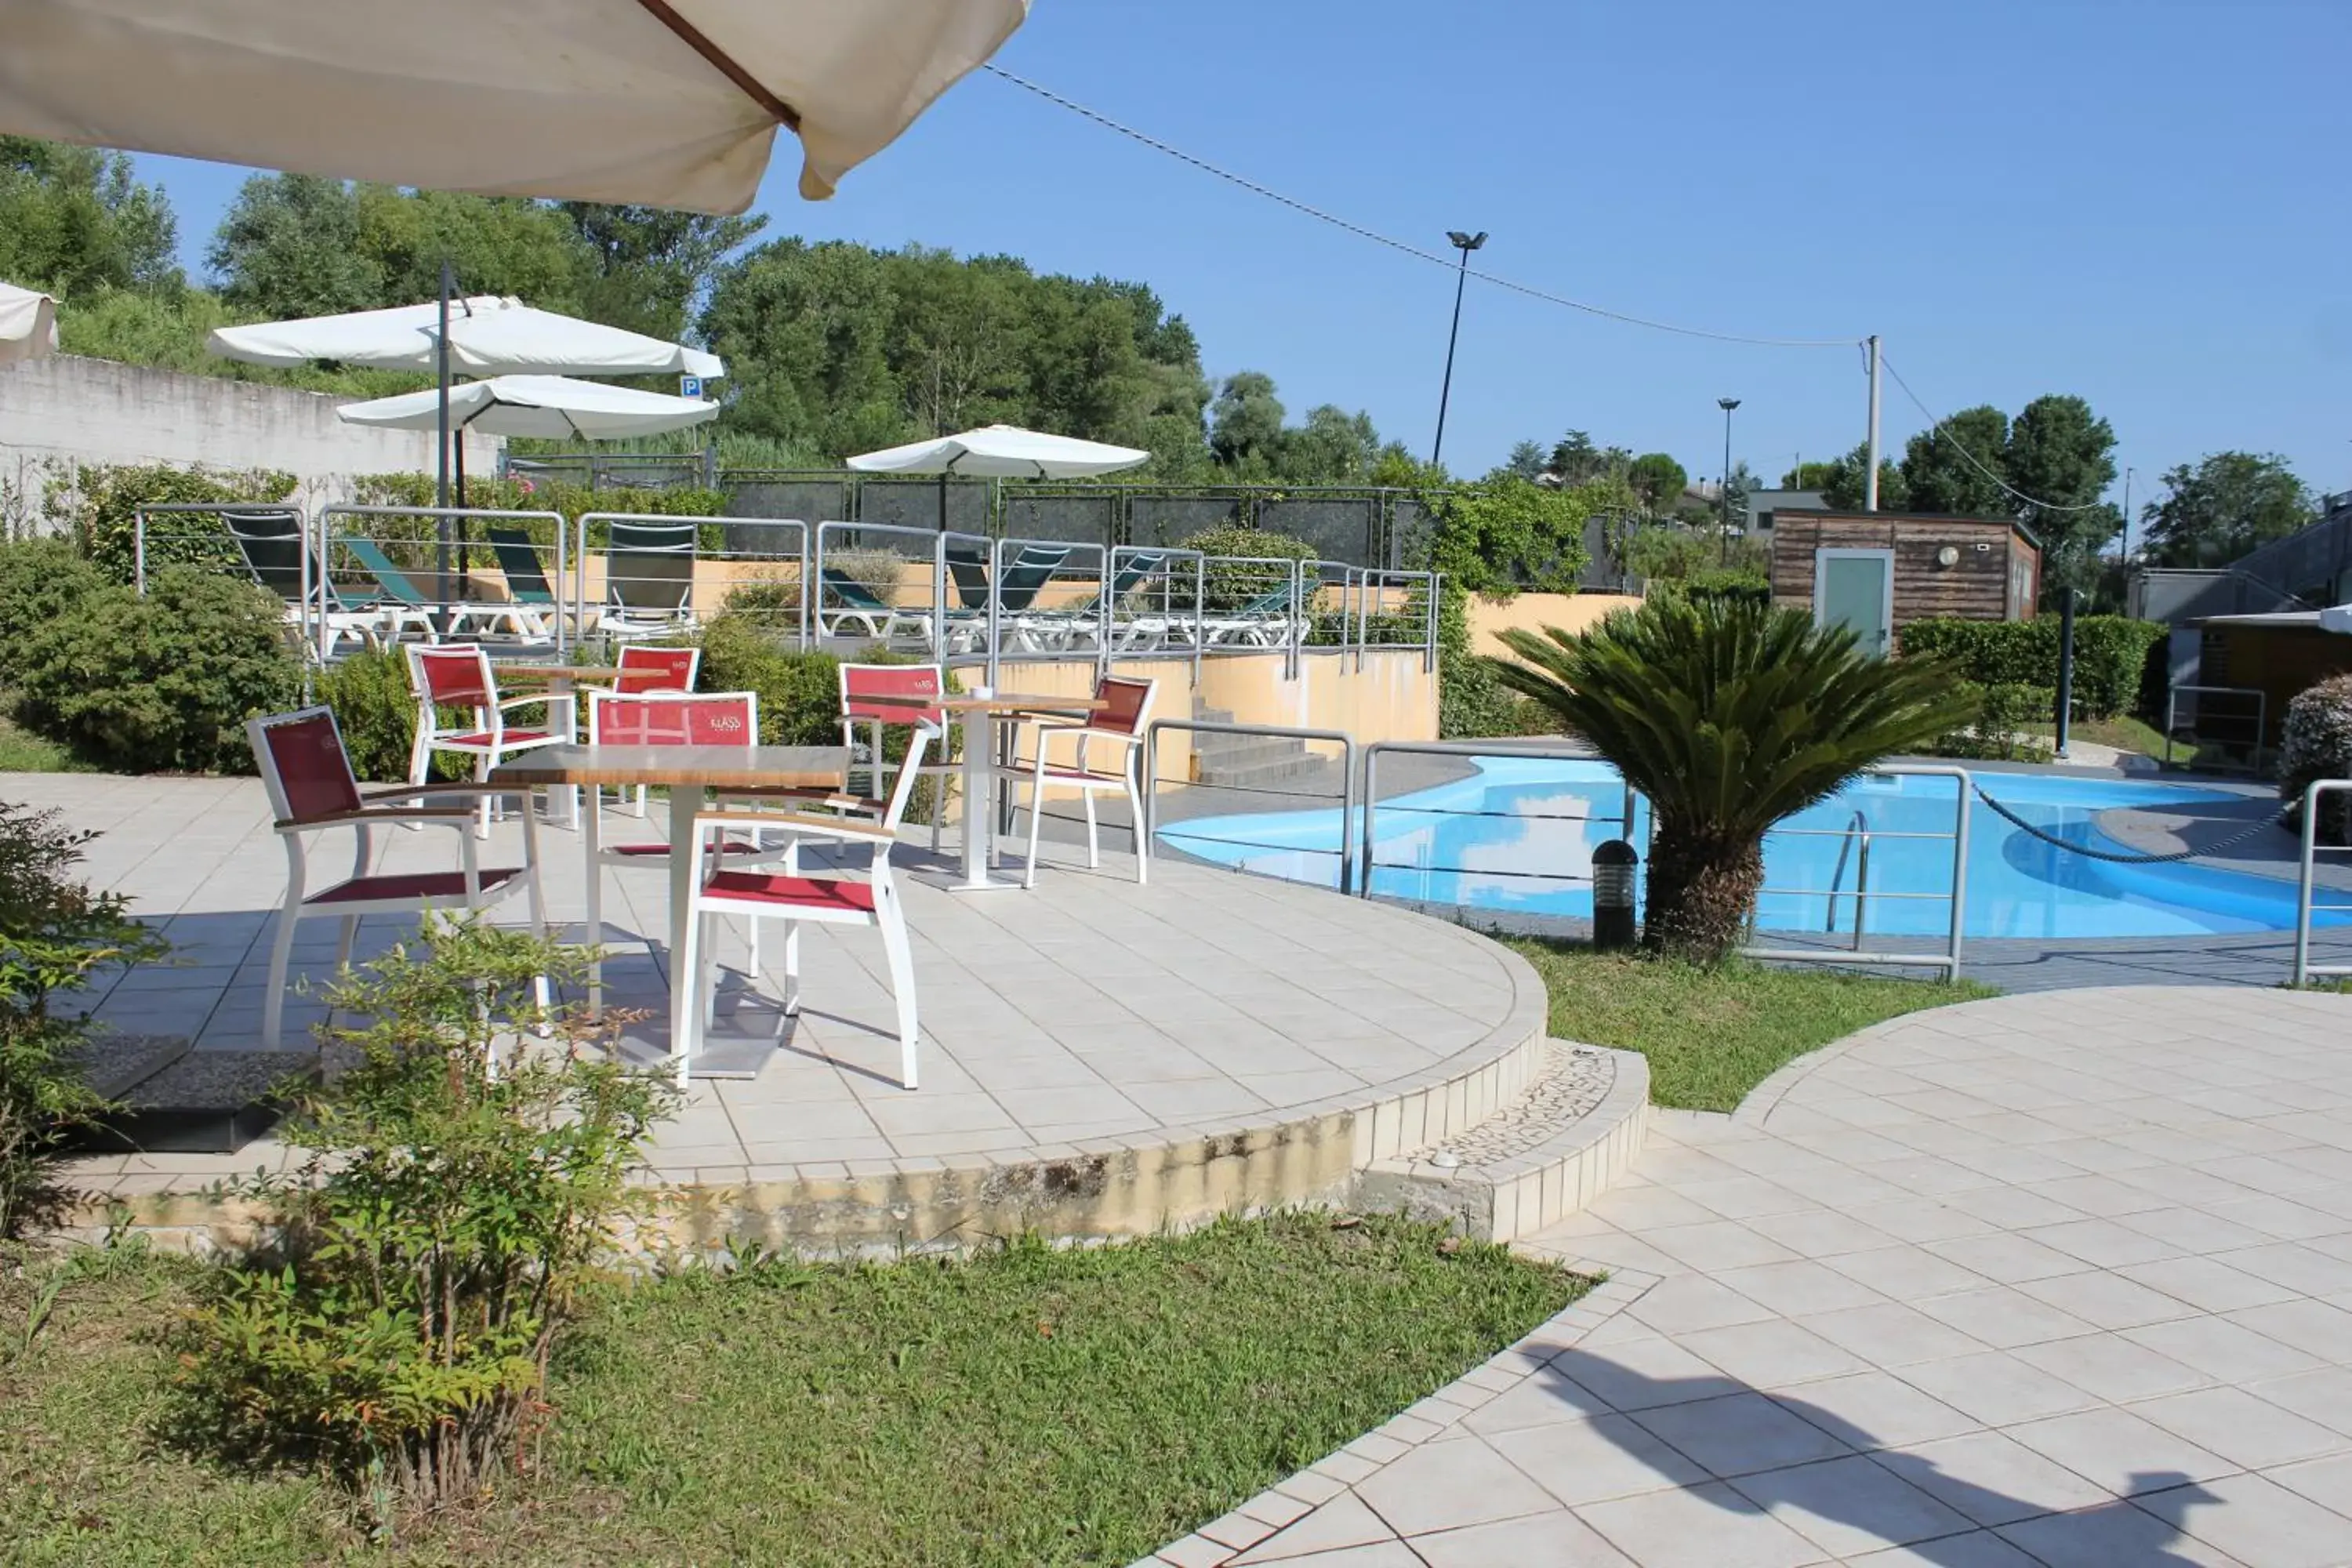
(1490, 618)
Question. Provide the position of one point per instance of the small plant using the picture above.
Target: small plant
(164, 682)
(1231, 584)
(55, 934)
(437, 1237)
(2317, 743)
(1999, 731)
(879, 571)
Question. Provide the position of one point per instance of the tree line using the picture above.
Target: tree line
(836, 348)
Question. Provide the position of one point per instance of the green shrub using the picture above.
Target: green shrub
(1229, 585)
(800, 693)
(97, 508)
(376, 711)
(42, 581)
(164, 682)
(2003, 712)
(55, 933)
(440, 1233)
(2315, 743)
(2111, 655)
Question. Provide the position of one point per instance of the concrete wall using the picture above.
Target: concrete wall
(1489, 618)
(57, 413)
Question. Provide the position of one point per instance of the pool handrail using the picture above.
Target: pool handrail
(1948, 960)
(2306, 878)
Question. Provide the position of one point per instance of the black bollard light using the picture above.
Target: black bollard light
(1613, 865)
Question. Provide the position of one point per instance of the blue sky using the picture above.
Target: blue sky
(2139, 201)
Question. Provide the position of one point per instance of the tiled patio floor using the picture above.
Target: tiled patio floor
(1088, 1009)
(2060, 1278)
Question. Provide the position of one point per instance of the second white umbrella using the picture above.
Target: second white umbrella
(554, 406)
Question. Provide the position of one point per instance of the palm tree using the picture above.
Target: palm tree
(1729, 716)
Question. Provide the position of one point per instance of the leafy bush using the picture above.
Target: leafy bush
(1512, 534)
(800, 693)
(95, 507)
(55, 933)
(2317, 743)
(2003, 710)
(163, 682)
(2110, 654)
(1229, 585)
(879, 571)
(440, 1233)
(42, 581)
(377, 713)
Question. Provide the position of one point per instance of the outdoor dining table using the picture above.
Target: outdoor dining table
(690, 774)
(980, 713)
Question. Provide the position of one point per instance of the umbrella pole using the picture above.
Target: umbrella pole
(441, 481)
(465, 525)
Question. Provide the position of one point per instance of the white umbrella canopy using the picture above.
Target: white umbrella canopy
(669, 103)
(554, 406)
(488, 336)
(29, 324)
(1003, 452)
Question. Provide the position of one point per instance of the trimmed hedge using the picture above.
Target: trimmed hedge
(2111, 652)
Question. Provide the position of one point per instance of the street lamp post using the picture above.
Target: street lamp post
(1466, 244)
(1723, 486)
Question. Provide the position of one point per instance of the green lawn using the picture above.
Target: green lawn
(22, 751)
(1032, 1406)
(1711, 1036)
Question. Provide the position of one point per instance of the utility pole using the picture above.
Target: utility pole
(1466, 244)
(1870, 459)
(2126, 559)
(441, 479)
(1723, 552)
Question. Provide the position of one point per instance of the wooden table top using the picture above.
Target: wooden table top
(1000, 702)
(721, 767)
(507, 670)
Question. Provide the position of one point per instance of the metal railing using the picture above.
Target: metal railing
(381, 564)
(2197, 720)
(1949, 960)
(1367, 847)
(653, 575)
(2307, 880)
(1340, 738)
(1857, 826)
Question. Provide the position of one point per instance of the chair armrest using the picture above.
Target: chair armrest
(450, 814)
(797, 821)
(529, 699)
(814, 794)
(456, 787)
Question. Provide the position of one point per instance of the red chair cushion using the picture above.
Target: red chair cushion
(795, 892)
(417, 885)
(483, 737)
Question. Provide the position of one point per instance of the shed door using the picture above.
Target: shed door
(1856, 588)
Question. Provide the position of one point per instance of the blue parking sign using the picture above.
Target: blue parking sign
(689, 386)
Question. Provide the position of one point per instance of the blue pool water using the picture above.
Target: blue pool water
(1530, 849)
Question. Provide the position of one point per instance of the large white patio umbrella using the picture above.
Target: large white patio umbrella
(670, 103)
(547, 405)
(1001, 451)
(488, 336)
(29, 324)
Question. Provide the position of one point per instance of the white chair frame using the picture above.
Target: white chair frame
(1040, 775)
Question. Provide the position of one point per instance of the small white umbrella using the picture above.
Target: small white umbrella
(488, 336)
(29, 324)
(670, 103)
(1001, 451)
(554, 406)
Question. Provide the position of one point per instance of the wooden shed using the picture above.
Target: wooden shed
(1878, 571)
(2248, 668)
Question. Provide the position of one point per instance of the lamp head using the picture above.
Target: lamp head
(1726, 404)
(1465, 242)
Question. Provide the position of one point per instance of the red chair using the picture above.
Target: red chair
(1120, 724)
(659, 719)
(787, 896)
(643, 669)
(861, 685)
(458, 675)
(308, 777)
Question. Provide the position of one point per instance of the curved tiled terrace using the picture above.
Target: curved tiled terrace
(1097, 1057)
(2060, 1280)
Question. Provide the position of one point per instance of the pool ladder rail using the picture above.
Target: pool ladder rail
(1857, 828)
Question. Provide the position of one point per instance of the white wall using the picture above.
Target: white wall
(59, 413)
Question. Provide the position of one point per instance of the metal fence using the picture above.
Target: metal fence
(1343, 854)
(2307, 904)
(1856, 837)
(1367, 847)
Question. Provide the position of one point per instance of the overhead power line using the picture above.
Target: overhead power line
(1391, 242)
(1936, 431)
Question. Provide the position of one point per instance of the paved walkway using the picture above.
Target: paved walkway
(2058, 1278)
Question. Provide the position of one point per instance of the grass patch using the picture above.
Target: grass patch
(22, 751)
(1713, 1034)
(1030, 1407)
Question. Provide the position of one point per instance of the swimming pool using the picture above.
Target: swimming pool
(1531, 845)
